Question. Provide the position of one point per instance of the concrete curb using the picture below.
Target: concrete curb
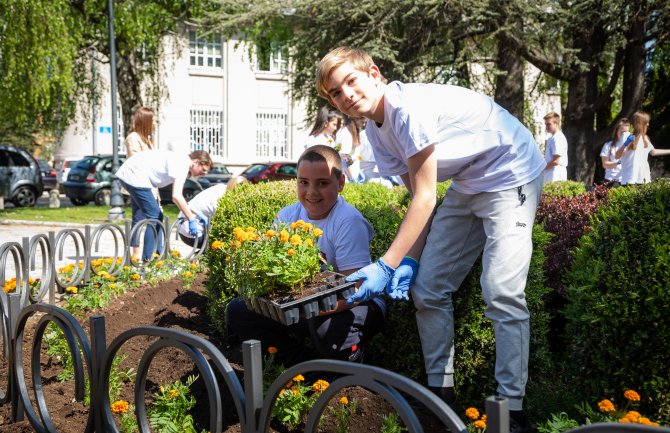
(48, 223)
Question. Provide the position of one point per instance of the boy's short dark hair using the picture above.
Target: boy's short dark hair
(323, 153)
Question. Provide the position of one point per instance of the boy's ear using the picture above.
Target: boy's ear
(375, 72)
(341, 181)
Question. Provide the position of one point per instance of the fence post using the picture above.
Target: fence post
(87, 254)
(52, 263)
(98, 348)
(253, 383)
(25, 270)
(14, 301)
(497, 414)
(127, 226)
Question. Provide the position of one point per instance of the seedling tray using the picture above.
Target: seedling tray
(290, 310)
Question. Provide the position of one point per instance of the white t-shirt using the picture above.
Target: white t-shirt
(557, 144)
(346, 143)
(609, 151)
(204, 204)
(635, 164)
(313, 140)
(154, 169)
(478, 144)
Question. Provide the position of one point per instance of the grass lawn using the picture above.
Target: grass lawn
(76, 214)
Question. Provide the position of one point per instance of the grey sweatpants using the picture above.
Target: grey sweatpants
(500, 224)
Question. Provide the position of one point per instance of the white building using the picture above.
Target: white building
(238, 109)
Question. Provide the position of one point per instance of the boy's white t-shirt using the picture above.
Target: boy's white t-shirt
(635, 164)
(609, 151)
(154, 169)
(205, 203)
(478, 144)
(557, 144)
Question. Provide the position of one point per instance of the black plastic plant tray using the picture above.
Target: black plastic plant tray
(290, 311)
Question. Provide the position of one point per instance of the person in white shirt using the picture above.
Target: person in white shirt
(326, 124)
(349, 144)
(556, 152)
(144, 171)
(610, 162)
(635, 152)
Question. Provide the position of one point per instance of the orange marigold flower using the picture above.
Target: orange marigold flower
(320, 385)
(318, 232)
(290, 252)
(194, 265)
(309, 243)
(135, 277)
(188, 274)
(344, 400)
(296, 240)
(283, 236)
(120, 406)
(480, 424)
(270, 234)
(625, 420)
(631, 395)
(646, 421)
(632, 415)
(606, 406)
(71, 289)
(173, 393)
(307, 227)
(175, 253)
(272, 350)
(472, 413)
(217, 245)
(299, 378)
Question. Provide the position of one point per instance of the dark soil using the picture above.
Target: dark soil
(170, 305)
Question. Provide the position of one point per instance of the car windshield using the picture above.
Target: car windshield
(254, 169)
(44, 165)
(219, 169)
(87, 162)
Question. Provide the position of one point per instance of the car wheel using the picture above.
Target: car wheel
(24, 196)
(78, 201)
(102, 197)
(189, 194)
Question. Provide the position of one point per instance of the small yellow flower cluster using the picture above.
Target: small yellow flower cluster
(173, 393)
(478, 422)
(631, 416)
(320, 386)
(120, 407)
(71, 289)
(187, 274)
(176, 253)
(344, 400)
(243, 235)
(106, 275)
(634, 417)
(159, 264)
(606, 405)
(67, 268)
(135, 277)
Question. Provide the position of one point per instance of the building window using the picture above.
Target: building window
(206, 131)
(271, 134)
(205, 51)
(272, 58)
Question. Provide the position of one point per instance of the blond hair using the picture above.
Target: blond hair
(359, 58)
(640, 124)
(554, 116)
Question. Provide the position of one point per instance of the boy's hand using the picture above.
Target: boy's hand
(375, 276)
(403, 278)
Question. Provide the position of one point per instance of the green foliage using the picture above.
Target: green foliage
(169, 412)
(391, 424)
(619, 298)
(558, 423)
(295, 401)
(565, 188)
(343, 413)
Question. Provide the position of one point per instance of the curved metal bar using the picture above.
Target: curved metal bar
(46, 250)
(78, 272)
(18, 256)
(137, 231)
(389, 394)
(603, 427)
(4, 323)
(216, 357)
(114, 268)
(197, 250)
(363, 372)
(71, 329)
(206, 373)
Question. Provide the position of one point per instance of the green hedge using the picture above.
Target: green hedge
(618, 291)
(564, 188)
(397, 348)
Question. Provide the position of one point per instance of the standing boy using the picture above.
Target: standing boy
(427, 133)
(345, 243)
(556, 152)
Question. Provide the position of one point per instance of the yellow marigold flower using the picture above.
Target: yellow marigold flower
(120, 406)
(194, 266)
(31, 280)
(606, 406)
(156, 255)
(217, 245)
(251, 229)
(118, 260)
(290, 252)
(631, 395)
(483, 418)
(307, 227)
(472, 413)
(309, 242)
(299, 378)
(162, 389)
(320, 385)
(126, 268)
(159, 264)
(318, 232)
(176, 253)
(112, 286)
(360, 157)
(296, 240)
(188, 274)
(272, 350)
(294, 390)
(624, 420)
(135, 277)
(644, 420)
(270, 234)
(480, 424)
(227, 259)
(344, 400)
(173, 393)
(71, 289)
(632, 415)
(283, 236)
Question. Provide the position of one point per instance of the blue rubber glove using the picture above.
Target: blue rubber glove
(375, 276)
(202, 218)
(193, 227)
(402, 279)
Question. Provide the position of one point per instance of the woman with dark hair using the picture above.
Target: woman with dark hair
(326, 124)
(610, 162)
(144, 171)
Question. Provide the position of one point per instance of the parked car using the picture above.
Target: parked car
(270, 171)
(218, 174)
(63, 171)
(90, 179)
(20, 176)
(49, 175)
(191, 188)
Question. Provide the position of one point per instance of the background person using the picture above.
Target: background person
(634, 153)
(427, 133)
(610, 162)
(556, 152)
(346, 245)
(349, 142)
(144, 171)
(326, 124)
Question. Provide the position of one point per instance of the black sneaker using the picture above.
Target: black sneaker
(448, 395)
(519, 423)
(356, 354)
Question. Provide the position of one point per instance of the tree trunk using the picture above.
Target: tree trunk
(510, 85)
(128, 84)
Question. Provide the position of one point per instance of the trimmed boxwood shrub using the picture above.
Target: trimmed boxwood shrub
(564, 188)
(397, 347)
(618, 290)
